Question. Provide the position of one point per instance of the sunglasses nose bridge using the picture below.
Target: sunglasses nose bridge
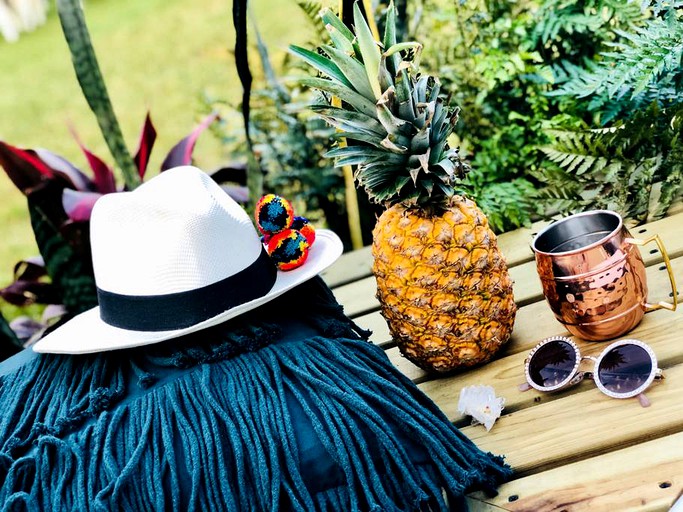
(587, 365)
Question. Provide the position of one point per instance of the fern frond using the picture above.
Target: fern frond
(507, 205)
(640, 58)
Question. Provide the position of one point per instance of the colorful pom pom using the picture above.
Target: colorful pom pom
(273, 214)
(288, 249)
(303, 226)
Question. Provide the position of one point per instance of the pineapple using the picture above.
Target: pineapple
(442, 282)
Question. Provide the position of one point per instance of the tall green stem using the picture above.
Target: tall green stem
(94, 89)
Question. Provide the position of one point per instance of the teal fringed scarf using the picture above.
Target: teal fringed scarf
(286, 408)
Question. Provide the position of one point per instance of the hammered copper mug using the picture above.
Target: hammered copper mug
(593, 275)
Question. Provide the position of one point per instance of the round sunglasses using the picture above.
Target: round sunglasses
(623, 370)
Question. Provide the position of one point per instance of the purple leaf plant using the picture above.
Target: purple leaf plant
(30, 169)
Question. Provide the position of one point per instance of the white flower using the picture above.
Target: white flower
(482, 404)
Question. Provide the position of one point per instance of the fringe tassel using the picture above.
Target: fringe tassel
(238, 436)
(284, 415)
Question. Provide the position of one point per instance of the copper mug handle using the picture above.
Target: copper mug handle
(667, 262)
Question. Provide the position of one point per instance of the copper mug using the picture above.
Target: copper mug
(593, 275)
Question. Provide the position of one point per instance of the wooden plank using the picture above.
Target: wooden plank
(645, 477)
(351, 266)
(376, 323)
(476, 505)
(359, 297)
(582, 425)
(516, 245)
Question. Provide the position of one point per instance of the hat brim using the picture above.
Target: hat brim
(87, 333)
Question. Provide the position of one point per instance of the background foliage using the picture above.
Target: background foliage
(567, 104)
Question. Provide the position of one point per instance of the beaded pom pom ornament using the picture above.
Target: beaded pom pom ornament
(287, 238)
(288, 249)
(273, 214)
(304, 227)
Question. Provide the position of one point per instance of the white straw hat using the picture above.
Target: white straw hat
(175, 256)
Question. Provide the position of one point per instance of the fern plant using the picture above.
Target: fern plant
(635, 163)
(572, 30)
(482, 52)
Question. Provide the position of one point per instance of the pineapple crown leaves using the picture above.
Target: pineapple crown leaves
(397, 120)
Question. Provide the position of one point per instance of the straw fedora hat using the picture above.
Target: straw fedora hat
(172, 257)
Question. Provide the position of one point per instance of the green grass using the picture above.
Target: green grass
(160, 55)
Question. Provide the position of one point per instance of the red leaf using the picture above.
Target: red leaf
(78, 205)
(181, 154)
(23, 167)
(147, 138)
(62, 167)
(104, 176)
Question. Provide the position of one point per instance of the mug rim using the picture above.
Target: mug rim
(563, 220)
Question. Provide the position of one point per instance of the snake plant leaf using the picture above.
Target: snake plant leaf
(322, 64)
(23, 167)
(92, 84)
(181, 153)
(147, 138)
(368, 49)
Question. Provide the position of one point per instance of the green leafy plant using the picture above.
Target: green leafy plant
(92, 84)
(566, 104)
(633, 163)
(484, 54)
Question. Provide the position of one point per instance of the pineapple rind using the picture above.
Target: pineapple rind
(443, 285)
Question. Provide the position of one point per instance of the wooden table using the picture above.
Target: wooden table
(574, 450)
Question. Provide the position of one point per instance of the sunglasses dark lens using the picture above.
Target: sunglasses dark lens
(552, 364)
(624, 369)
